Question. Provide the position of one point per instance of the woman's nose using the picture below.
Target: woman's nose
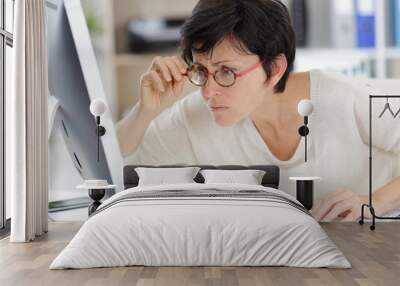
(211, 88)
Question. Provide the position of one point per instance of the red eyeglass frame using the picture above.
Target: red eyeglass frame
(236, 74)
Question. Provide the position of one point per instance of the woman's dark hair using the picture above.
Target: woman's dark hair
(261, 27)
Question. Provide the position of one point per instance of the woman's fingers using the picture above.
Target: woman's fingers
(325, 204)
(180, 64)
(340, 207)
(152, 79)
(169, 67)
(172, 72)
(159, 65)
(158, 81)
(353, 215)
(177, 69)
(162, 84)
(173, 68)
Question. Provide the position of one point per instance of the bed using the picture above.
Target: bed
(201, 224)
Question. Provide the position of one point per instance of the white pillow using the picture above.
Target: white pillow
(161, 176)
(249, 177)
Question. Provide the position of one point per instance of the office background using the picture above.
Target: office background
(357, 38)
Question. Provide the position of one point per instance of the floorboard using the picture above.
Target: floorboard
(374, 255)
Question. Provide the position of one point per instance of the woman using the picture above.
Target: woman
(240, 54)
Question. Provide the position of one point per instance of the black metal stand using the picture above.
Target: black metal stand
(303, 131)
(369, 205)
(100, 131)
(96, 195)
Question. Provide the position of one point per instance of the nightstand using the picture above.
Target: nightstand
(96, 193)
(305, 190)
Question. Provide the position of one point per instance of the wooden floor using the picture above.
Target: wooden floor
(374, 255)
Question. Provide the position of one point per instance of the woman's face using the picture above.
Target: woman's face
(244, 96)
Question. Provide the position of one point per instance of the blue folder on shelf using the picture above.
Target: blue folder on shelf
(365, 22)
(396, 22)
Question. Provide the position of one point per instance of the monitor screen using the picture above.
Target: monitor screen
(74, 80)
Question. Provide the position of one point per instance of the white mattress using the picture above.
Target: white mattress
(200, 231)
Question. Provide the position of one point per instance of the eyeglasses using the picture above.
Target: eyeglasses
(224, 76)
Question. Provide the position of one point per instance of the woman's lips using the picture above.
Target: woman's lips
(218, 109)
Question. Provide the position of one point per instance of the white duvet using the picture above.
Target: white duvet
(200, 231)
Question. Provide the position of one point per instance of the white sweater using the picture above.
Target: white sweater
(337, 144)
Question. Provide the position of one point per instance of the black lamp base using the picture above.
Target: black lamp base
(96, 195)
(304, 192)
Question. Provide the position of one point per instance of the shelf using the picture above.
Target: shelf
(387, 52)
(138, 60)
(392, 53)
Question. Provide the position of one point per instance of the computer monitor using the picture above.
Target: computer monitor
(74, 80)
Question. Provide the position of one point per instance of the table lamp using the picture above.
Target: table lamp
(305, 108)
(305, 185)
(98, 107)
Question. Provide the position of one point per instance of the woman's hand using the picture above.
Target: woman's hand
(341, 205)
(162, 84)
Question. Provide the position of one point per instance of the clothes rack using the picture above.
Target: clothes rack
(369, 205)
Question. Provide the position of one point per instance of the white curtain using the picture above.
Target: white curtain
(26, 124)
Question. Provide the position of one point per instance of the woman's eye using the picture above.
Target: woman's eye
(226, 72)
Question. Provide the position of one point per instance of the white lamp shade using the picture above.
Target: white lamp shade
(305, 107)
(98, 107)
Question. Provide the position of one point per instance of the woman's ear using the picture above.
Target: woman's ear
(279, 67)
